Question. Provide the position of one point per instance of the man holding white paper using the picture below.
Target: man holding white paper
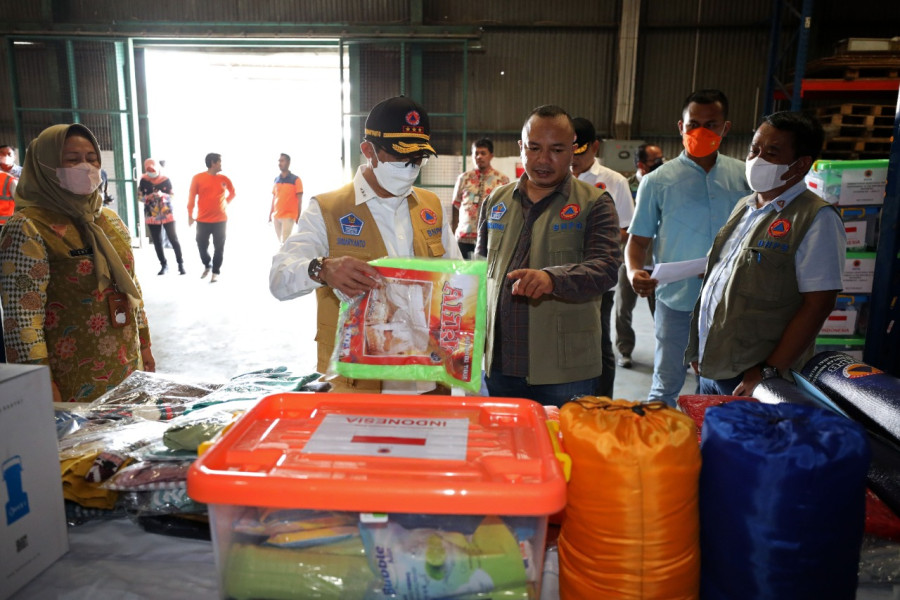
(680, 207)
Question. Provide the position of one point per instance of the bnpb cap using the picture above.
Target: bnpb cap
(585, 134)
(400, 126)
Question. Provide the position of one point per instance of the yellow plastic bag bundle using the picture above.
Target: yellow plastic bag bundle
(632, 523)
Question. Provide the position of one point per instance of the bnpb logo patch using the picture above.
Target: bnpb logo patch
(497, 212)
(857, 370)
(428, 216)
(413, 117)
(569, 212)
(600, 185)
(779, 228)
(351, 224)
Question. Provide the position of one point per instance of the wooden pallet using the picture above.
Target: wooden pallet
(861, 126)
(876, 110)
(855, 144)
(851, 155)
(850, 68)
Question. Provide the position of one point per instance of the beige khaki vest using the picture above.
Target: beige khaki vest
(761, 296)
(563, 337)
(366, 243)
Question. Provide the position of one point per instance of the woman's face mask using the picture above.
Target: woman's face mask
(82, 179)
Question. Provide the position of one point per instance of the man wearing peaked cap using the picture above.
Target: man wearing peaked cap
(378, 214)
(588, 169)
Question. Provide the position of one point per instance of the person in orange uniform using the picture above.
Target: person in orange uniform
(211, 192)
(287, 196)
(9, 177)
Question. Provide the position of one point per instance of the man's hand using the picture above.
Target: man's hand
(149, 361)
(752, 377)
(642, 283)
(533, 283)
(190, 221)
(350, 275)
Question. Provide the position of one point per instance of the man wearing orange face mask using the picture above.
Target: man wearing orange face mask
(680, 207)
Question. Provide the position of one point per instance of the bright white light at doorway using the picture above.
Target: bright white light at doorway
(249, 106)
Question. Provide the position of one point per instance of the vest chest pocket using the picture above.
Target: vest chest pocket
(564, 250)
(763, 274)
(436, 248)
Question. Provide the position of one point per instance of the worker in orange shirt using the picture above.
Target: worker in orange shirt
(211, 192)
(287, 196)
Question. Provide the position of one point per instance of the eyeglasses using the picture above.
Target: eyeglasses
(419, 161)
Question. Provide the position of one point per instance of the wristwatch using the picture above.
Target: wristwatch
(768, 371)
(315, 269)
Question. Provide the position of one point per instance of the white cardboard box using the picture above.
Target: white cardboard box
(859, 274)
(840, 322)
(856, 234)
(33, 519)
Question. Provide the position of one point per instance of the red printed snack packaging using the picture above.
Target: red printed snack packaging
(424, 321)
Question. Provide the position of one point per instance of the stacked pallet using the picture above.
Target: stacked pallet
(857, 131)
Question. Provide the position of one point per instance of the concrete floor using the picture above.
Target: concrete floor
(211, 332)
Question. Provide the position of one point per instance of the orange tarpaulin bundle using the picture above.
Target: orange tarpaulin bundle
(632, 525)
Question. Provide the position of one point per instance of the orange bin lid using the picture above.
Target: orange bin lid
(385, 453)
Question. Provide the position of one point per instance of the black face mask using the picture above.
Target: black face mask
(655, 165)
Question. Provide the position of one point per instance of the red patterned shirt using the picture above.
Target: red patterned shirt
(471, 188)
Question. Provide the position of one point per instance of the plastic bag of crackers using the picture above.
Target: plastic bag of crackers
(424, 321)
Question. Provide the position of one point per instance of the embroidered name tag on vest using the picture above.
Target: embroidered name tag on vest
(88, 251)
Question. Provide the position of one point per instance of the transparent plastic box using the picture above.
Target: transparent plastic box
(381, 496)
(849, 182)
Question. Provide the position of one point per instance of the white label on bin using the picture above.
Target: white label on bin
(403, 437)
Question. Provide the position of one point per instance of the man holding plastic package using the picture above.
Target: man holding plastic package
(552, 246)
(774, 270)
(378, 214)
(679, 207)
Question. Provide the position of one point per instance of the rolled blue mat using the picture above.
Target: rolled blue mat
(782, 502)
(866, 394)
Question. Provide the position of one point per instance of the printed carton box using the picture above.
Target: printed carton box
(33, 521)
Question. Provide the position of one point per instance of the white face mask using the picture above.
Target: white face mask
(764, 176)
(152, 174)
(82, 179)
(396, 177)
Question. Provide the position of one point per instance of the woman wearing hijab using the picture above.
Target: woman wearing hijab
(155, 190)
(70, 299)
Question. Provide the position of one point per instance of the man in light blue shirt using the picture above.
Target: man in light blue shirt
(775, 269)
(680, 208)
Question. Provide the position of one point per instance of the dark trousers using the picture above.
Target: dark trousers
(551, 394)
(217, 231)
(156, 235)
(608, 376)
(467, 250)
(626, 298)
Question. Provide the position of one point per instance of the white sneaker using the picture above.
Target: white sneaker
(214, 278)
(205, 272)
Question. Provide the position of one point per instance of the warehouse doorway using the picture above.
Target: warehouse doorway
(249, 105)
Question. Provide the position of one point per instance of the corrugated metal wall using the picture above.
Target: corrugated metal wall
(530, 52)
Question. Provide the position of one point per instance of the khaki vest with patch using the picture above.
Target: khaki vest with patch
(761, 295)
(366, 244)
(563, 337)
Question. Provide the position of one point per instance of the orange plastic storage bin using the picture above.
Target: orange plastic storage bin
(381, 496)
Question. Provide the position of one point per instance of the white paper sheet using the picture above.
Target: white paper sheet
(676, 271)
